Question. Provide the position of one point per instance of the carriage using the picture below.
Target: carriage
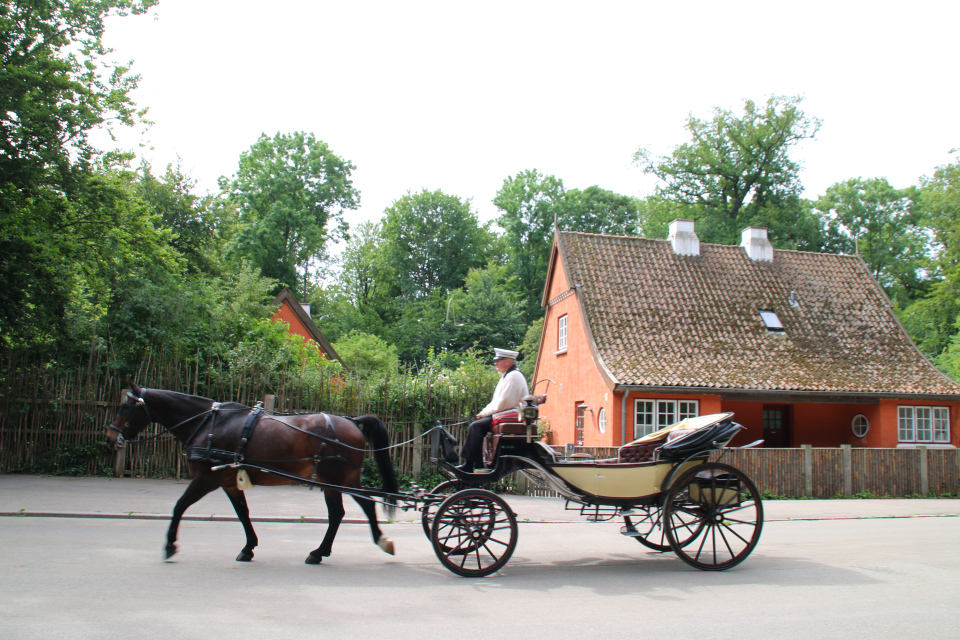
(664, 486)
(669, 494)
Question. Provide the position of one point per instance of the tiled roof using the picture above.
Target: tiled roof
(660, 319)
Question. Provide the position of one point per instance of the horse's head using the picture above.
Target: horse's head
(132, 418)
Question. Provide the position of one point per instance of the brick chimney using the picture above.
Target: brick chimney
(683, 238)
(754, 242)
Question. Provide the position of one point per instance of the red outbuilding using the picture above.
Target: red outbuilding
(803, 347)
(297, 317)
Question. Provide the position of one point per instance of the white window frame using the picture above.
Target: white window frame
(602, 420)
(562, 333)
(923, 425)
(653, 415)
(860, 426)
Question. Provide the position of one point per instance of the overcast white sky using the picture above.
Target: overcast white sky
(458, 96)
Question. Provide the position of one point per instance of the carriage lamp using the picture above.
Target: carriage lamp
(529, 410)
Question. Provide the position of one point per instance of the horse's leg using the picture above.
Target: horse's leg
(370, 508)
(203, 483)
(335, 513)
(239, 502)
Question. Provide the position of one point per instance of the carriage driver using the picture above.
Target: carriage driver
(506, 397)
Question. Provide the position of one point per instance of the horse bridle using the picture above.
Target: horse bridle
(142, 403)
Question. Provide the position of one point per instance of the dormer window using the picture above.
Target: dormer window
(771, 321)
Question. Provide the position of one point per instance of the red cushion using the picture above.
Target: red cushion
(509, 416)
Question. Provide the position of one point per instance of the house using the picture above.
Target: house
(803, 347)
(297, 317)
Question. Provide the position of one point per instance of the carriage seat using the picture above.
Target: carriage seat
(638, 452)
(508, 423)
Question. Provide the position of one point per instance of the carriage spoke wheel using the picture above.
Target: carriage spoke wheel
(713, 517)
(653, 535)
(429, 510)
(474, 533)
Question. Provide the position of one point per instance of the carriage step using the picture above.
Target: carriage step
(630, 532)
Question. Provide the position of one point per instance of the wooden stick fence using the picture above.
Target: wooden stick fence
(48, 409)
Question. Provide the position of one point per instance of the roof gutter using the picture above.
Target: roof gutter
(839, 397)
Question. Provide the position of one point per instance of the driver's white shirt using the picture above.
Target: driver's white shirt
(508, 395)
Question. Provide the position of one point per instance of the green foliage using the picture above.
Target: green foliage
(57, 87)
(486, 313)
(736, 172)
(528, 352)
(596, 210)
(528, 202)
(884, 226)
(72, 459)
(366, 354)
(287, 191)
(430, 241)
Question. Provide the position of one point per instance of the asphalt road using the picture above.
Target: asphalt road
(82, 577)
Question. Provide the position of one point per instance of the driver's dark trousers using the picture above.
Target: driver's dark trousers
(472, 451)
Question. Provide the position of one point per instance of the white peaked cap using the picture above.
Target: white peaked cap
(500, 354)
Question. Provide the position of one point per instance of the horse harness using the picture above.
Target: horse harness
(207, 453)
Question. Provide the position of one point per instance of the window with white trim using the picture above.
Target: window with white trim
(602, 420)
(923, 424)
(562, 333)
(860, 425)
(653, 415)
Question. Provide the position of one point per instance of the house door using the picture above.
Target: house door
(581, 410)
(776, 426)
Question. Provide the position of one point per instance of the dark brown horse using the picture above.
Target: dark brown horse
(328, 449)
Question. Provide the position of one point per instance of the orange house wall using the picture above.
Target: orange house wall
(574, 372)
(828, 425)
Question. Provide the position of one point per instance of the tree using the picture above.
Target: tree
(366, 354)
(430, 241)
(185, 214)
(933, 320)
(884, 226)
(288, 190)
(735, 171)
(596, 210)
(59, 218)
(529, 203)
(486, 313)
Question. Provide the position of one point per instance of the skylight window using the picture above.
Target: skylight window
(771, 320)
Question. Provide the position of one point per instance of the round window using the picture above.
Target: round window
(860, 425)
(602, 420)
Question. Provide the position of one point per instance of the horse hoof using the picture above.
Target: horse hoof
(245, 556)
(386, 544)
(169, 551)
(312, 559)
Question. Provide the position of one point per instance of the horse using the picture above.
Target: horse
(217, 436)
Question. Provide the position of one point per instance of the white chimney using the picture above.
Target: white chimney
(306, 307)
(754, 242)
(683, 238)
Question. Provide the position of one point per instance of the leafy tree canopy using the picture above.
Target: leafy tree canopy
(884, 226)
(735, 171)
(287, 191)
(430, 241)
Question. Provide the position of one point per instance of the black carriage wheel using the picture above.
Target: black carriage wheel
(652, 533)
(447, 487)
(474, 533)
(713, 517)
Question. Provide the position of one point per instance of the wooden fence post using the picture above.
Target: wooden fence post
(807, 470)
(269, 401)
(924, 471)
(846, 454)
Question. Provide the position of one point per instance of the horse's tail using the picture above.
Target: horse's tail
(376, 434)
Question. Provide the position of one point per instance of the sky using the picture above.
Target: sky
(459, 96)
